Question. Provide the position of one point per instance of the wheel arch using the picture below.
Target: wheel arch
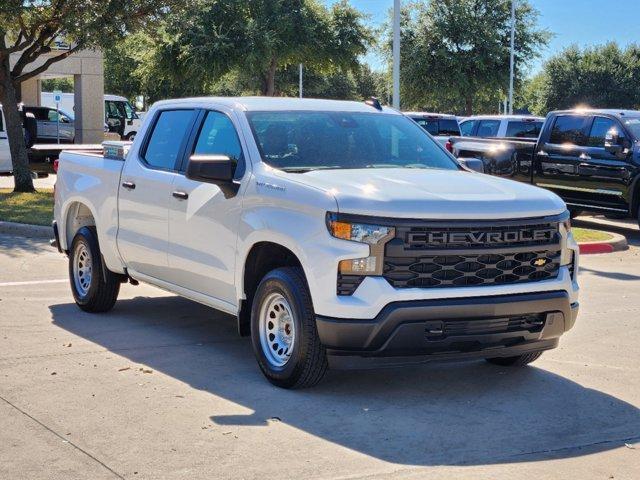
(76, 215)
(262, 257)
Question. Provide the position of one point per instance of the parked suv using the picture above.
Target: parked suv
(51, 123)
(338, 233)
(501, 126)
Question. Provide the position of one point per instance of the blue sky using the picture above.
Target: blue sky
(584, 22)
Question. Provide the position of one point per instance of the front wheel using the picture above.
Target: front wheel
(517, 361)
(94, 289)
(283, 330)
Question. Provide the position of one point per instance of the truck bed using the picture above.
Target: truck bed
(90, 179)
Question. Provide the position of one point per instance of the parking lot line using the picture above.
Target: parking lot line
(32, 282)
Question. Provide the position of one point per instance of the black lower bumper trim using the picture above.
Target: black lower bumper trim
(447, 328)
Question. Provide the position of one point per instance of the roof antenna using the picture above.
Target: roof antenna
(374, 102)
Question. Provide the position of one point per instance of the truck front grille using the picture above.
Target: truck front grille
(471, 269)
(447, 254)
(437, 254)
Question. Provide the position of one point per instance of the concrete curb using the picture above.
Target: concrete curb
(616, 244)
(26, 230)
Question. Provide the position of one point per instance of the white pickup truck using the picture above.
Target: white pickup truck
(339, 233)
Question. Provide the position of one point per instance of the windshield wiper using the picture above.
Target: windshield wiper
(308, 169)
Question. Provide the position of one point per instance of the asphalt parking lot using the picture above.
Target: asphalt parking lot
(162, 388)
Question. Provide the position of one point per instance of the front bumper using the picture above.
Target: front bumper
(425, 330)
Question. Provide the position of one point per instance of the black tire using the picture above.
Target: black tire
(130, 136)
(518, 361)
(307, 363)
(104, 285)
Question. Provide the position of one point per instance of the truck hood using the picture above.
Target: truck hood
(432, 194)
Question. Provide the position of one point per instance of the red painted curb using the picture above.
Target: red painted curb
(588, 248)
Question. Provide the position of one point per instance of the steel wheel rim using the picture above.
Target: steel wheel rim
(277, 330)
(82, 269)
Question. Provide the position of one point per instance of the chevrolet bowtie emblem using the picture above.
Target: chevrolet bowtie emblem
(540, 262)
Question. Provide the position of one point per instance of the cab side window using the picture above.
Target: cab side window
(218, 137)
(569, 129)
(488, 128)
(599, 129)
(167, 138)
(466, 128)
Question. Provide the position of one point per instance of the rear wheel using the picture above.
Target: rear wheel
(94, 289)
(517, 361)
(283, 330)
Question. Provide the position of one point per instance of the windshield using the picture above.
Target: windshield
(309, 140)
(633, 124)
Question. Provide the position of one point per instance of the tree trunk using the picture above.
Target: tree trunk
(15, 134)
(269, 81)
(468, 105)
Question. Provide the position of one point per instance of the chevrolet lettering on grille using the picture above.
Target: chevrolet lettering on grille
(482, 238)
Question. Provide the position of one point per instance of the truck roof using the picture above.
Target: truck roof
(279, 104)
(620, 112)
(504, 117)
(429, 114)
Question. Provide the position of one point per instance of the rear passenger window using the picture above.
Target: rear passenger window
(167, 137)
(449, 127)
(599, 129)
(488, 128)
(466, 128)
(430, 126)
(569, 129)
(523, 129)
(218, 137)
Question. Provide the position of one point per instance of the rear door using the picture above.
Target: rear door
(605, 176)
(203, 224)
(145, 193)
(557, 160)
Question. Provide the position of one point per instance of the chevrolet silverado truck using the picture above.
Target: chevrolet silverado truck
(337, 233)
(590, 158)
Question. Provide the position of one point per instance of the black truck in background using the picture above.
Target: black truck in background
(590, 158)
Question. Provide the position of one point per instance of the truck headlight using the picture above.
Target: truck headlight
(376, 236)
(566, 257)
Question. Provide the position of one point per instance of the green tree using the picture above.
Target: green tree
(601, 77)
(29, 28)
(257, 39)
(455, 53)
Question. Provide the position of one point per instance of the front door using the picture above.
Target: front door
(606, 177)
(557, 161)
(145, 194)
(203, 224)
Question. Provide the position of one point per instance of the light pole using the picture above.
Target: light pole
(396, 54)
(300, 82)
(511, 60)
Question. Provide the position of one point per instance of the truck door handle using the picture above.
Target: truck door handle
(180, 195)
(584, 156)
(129, 185)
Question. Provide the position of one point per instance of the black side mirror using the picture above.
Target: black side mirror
(613, 143)
(216, 169)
